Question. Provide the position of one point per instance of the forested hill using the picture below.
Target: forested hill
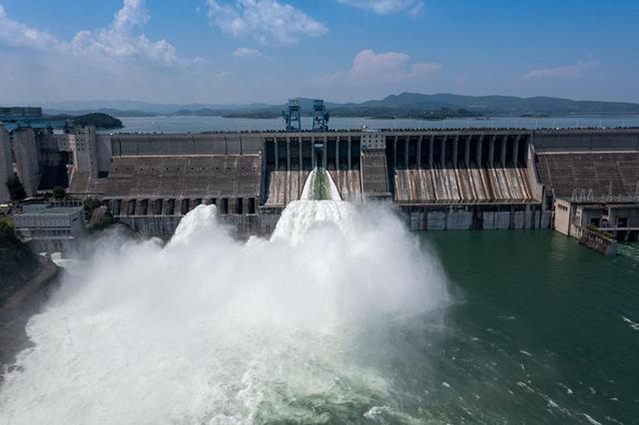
(416, 105)
(510, 105)
(99, 120)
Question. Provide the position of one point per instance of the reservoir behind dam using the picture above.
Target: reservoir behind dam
(543, 331)
(181, 124)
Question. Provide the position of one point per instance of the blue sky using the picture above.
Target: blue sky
(242, 51)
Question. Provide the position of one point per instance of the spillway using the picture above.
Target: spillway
(206, 329)
(320, 187)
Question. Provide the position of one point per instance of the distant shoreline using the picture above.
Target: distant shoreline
(389, 118)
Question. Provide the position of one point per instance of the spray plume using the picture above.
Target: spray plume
(210, 330)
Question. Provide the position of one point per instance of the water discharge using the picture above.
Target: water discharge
(320, 187)
(206, 329)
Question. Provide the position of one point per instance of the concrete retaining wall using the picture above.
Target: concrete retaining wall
(477, 217)
(160, 226)
(598, 242)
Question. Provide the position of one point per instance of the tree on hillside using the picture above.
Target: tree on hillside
(98, 120)
(59, 193)
(16, 260)
(91, 204)
(16, 189)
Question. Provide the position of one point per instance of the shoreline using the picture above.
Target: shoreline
(18, 309)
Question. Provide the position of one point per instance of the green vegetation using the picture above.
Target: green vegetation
(397, 113)
(6, 219)
(600, 232)
(17, 262)
(91, 204)
(104, 217)
(103, 223)
(59, 193)
(98, 120)
(16, 189)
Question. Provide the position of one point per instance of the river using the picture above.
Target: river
(543, 331)
(374, 326)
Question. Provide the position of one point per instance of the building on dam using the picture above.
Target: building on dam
(438, 179)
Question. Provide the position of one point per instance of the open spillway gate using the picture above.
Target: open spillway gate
(466, 181)
(289, 161)
(460, 169)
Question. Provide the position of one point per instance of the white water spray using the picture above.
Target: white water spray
(210, 330)
(318, 183)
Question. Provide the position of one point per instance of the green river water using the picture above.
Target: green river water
(542, 331)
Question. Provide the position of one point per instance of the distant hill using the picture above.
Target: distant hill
(151, 109)
(413, 105)
(501, 105)
(109, 111)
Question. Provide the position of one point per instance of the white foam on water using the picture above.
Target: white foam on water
(206, 329)
(591, 420)
(633, 325)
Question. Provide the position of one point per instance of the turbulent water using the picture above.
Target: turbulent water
(342, 316)
(320, 186)
(299, 328)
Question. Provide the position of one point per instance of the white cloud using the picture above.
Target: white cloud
(245, 52)
(385, 7)
(17, 34)
(133, 13)
(370, 68)
(417, 9)
(119, 41)
(115, 42)
(118, 61)
(567, 71)
(264, 20)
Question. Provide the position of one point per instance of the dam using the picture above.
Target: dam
(329, 317)
(438, 179)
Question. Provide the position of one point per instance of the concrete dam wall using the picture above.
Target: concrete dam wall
(451, 179)
(465, 180)
(599, 173)
(459, 168)
(151, 194)
(583, 163)
(586, 140)
(289, 160)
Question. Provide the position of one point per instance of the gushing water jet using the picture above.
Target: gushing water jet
(210, 330)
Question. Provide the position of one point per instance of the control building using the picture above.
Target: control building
(50, 228)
